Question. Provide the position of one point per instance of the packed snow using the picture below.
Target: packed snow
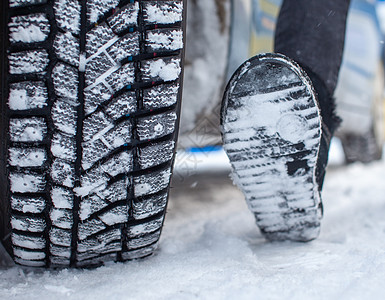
(211, 249)
(172, 40)
(163, 13)
(28, 29)
(165, 71)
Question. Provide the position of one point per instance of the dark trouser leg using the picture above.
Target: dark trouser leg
(312, 32)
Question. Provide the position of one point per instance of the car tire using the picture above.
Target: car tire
(90, 107)
(368, 147)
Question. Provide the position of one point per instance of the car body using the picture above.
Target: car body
(245, 29)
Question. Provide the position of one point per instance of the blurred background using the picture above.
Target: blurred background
(222, 34)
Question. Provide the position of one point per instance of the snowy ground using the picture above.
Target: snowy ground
(210, 249)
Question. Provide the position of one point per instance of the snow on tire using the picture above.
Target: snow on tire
(90, 112)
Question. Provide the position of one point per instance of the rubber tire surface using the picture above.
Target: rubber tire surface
(367, 147)
(361, 148)
(90, 99)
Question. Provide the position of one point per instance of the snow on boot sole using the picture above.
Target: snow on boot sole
(271, 128)
(90, 112)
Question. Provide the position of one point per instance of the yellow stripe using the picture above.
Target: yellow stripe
(260, 44)
(269, 8)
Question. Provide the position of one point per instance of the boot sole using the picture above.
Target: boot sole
(271, 128)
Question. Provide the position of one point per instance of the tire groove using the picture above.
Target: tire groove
(50, 127)
(134, 138)
(129, 224)
(79, 133)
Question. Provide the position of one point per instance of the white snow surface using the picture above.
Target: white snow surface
(211, 249)
(164, 13)
(29, 34)
(170, 41)
(166, 71)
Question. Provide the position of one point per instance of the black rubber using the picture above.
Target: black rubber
(91, 94)
(271, 127)
(361, 148)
